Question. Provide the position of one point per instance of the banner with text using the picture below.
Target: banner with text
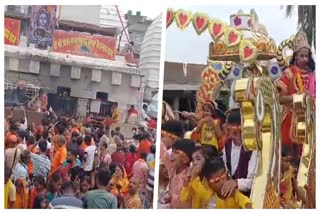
(84, 44)
(11, 31)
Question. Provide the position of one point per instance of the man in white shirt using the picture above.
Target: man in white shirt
(89, 153)
(241, 164)
(24, 124)
(144, 116)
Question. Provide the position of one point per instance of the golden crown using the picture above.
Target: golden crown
(300, 41)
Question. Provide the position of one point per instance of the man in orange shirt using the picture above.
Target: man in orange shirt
(144, 145)
(60, 154)
(58, 131)
(75, 128)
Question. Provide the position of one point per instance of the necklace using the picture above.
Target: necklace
(300, 85)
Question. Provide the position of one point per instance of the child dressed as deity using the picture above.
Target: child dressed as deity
(216, 175)
(208, 130)
(288, 181)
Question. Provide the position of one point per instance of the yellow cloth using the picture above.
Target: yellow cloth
(187, 135)
(134, 202)
(123, 182)
(198, 191)
(286, 181)
(238, 200)
(208, 136)
(151, 164)
(22, 198)
(9, 193)
(116, 115)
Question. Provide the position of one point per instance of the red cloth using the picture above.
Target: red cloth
(39, 131)
(75, 129)
(288, 87)
(132, 111)
(10, 138)
(33, 196)
(129, 57)
(152, 124)
(108, 122)
(48, 152)
(144, 147)
(64, 171)
(129, 161)
(118, 158)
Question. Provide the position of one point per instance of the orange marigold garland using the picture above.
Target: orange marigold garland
(299, 83)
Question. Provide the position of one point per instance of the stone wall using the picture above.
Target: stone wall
(84, 82)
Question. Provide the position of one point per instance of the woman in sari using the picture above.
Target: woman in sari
(22, 194)
(120, 179)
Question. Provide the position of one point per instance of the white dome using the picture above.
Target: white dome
(149, 62)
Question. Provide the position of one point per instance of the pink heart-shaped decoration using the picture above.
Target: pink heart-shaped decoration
(232, 37)
(217, 29)
(169, 16)
(200, 22)
(247, 52)
(183, 18)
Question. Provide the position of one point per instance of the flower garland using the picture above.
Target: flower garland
(299, 83)
(169, 135)
(300, 86)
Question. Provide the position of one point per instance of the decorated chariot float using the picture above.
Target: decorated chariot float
(243, 57)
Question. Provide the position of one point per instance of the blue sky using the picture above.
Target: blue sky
(187, 47)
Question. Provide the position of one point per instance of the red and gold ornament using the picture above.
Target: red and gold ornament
(183, 18)
(170, 17)
(200, 22)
